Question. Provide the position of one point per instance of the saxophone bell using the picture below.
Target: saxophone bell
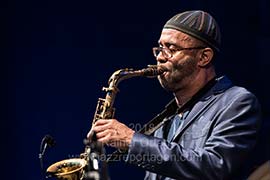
(68, 169)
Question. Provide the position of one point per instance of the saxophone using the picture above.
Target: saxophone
(79, 168)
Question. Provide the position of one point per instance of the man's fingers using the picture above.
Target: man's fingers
(102, 122)
(98, 127)
(105, 139)
(105, 133)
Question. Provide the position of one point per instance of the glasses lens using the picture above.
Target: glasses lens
(165, 52)
(156, 51)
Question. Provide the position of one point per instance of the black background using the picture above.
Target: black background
(56, 55)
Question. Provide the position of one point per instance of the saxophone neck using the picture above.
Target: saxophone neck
(122, 74)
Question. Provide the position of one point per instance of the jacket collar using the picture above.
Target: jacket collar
(223, 83)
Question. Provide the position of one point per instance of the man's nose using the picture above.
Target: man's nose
(160, 58)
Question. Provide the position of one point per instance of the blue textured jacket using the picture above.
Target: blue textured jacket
(214, 141)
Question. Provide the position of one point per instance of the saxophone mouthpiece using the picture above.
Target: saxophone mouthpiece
(153, 71)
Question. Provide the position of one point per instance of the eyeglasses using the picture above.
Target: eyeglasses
(168, 53)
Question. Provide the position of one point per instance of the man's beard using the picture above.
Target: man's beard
(176, 78)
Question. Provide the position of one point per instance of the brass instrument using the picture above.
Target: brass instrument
(75, 168)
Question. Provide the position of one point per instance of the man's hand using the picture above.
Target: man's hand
(112, 133)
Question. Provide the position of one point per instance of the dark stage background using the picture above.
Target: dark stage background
(56, 55)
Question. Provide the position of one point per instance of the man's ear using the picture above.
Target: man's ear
(206, 57)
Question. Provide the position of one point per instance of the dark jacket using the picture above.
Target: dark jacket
(213, 142)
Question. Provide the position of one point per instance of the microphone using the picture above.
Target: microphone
(47, 141)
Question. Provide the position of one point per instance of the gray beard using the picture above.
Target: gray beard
(178, 77)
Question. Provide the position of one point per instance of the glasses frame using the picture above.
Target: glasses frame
(169, 53)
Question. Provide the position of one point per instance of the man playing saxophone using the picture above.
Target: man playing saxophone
(212, 127)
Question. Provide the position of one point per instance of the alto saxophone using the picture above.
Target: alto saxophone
(76, 168)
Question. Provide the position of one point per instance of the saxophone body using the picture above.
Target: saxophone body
(78, 168)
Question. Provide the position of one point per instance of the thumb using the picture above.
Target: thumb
(90, 134)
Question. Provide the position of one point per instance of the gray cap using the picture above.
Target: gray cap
(198, 24)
